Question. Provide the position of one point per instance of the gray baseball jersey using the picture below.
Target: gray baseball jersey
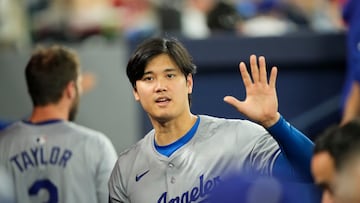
(57, 162)
(218, 147)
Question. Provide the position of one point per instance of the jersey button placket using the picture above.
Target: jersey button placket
(174, 183)
(170, 168)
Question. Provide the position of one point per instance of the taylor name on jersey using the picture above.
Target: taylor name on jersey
(38, 156)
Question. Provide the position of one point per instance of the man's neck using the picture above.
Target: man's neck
(49, 112)
(170, 131)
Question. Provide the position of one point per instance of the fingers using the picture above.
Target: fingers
(234, 102)
(262, 69)
(273, 76)
(254, 68)
(244, 74)
(258, 72)
(230, 100)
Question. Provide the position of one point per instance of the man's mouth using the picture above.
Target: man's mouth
(162, 100)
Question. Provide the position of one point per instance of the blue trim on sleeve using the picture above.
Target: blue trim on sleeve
(295, 146)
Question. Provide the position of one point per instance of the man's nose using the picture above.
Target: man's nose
(161, 85)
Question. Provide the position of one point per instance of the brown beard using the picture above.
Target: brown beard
(74, 108)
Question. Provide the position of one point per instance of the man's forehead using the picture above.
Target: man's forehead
(162, 70)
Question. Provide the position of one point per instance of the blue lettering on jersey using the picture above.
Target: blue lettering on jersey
(37, 156)
(194, 193)
(26, 160)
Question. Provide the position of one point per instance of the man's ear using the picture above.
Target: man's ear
(70, 90)
(136, 95)
(189, 83)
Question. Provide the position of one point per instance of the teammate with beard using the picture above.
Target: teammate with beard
(50, 158)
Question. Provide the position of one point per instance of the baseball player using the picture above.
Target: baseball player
(186, 156)
(50, 158)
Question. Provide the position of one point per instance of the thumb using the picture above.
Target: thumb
(234, 102)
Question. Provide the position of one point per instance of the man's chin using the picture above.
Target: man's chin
(162, 118)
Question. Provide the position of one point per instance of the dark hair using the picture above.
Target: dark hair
(48, 72)
(153, 47)
(341, 142)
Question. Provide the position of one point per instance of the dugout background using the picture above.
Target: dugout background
(311, 72)
(309, 83)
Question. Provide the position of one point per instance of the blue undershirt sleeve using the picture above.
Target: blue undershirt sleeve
(282, 168)
(294, 183)
(296, 151)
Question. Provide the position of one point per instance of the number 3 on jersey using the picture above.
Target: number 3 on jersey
(47, 185)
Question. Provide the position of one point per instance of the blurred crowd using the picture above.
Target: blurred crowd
(24, 22)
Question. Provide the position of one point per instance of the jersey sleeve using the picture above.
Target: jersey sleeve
(116, 187)
(106, 161)
(295, 146)
(257, 146)
(263, 154)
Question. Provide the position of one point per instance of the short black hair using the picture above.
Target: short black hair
(341, 142)
(153, 47)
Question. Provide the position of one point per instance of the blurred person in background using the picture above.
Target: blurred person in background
(169, 16)
(49, 157)
(137, 18)
(194, 18)
(350, 104)
(199, 19)
(278, 17)
(296, 13)
(326, 16)
(336, 163)
(268, 20)
(14, 27)
(224, 18)
(72, 20)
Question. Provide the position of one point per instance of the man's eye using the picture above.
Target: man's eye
(147, 78)
(171, 75)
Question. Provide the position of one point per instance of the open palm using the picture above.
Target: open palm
(260, 104)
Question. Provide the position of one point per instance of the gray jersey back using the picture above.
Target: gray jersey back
(57, 162)
(219, 147)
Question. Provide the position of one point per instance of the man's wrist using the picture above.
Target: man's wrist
(269, 123)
